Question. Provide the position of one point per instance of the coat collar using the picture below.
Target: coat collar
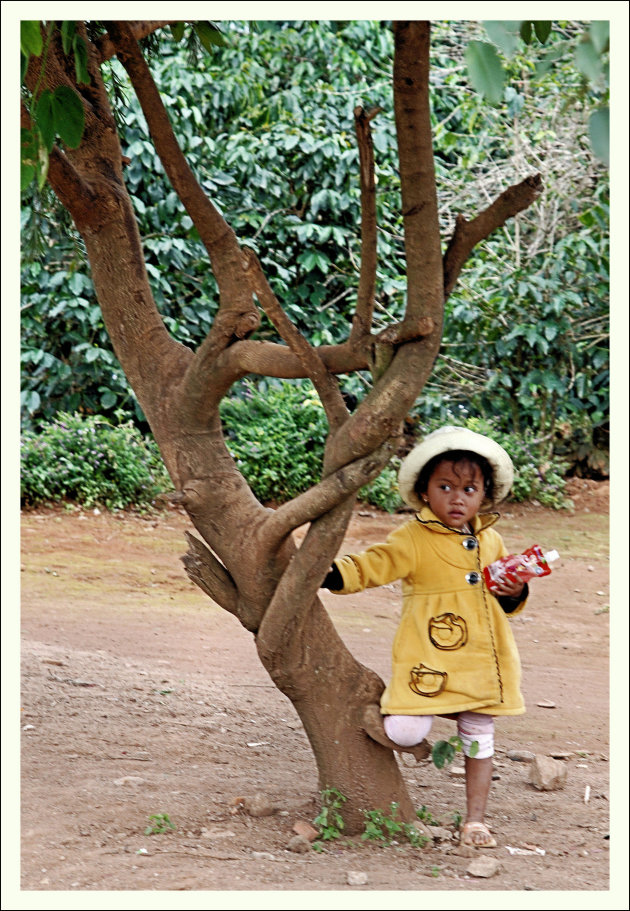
(480, 522)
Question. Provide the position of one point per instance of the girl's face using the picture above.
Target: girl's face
(455, 492)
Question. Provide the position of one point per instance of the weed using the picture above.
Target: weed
(444, 751)
(426, 817)
(457, 819)
(329, 820)
(435, 871)
(159, 824)
(387, 829)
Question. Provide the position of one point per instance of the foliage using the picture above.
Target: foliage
(526, 329)
(87, 460)
(276, 432)
(444, 751)
(329, 820)
(588, 46)
(159, 824)
(387, 829)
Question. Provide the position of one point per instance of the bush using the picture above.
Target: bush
(87, 460)
(276, 433)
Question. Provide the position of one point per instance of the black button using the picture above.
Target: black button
(473, 578)
(469, 543)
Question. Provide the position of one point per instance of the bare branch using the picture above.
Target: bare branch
(320, 499)
(216, 235)
(210, 575)
(323, 381)
(139, 30)
(362, 322)
(468, 233)
(425, 296)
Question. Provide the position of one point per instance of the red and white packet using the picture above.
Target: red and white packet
(519, 567)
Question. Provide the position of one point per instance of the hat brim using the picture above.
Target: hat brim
(448, 439)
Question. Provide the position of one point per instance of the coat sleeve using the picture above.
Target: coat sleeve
(379, 564)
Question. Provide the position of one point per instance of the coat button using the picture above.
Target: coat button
(473, 578)
(469, 543)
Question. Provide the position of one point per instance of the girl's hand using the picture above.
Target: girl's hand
(508, 589)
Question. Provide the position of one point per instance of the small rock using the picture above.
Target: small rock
(457, 771)
(484, 867)
(440, 833)
(305, 830)
(548, 774)
(263, 855)
(546, 704)
(356, 878)
(521, 756)
(258, 805)
(299, 845)
(464, 851)
(560, 754)
(132, 780)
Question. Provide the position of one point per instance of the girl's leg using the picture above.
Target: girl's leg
(407, 730)
(474, 727)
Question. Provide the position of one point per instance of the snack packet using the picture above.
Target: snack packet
(522, 567)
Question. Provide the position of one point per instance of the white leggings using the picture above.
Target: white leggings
(408, 730)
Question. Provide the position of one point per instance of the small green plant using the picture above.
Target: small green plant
(426, 817)
(444, 751)
(387, 829)
(159, 824)
(435, 871)
(329, 820)
(458, 819)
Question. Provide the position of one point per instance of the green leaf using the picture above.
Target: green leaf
(45, 119)
(542, 29)
(68, 115)
(68, 30)
(31, 41)
(209, 35)
(27, 173)
(442, 753)
(600, 35)
(81, 60)
(588, 60)
(526, 31)
(599, 132)
(177, 30)
(485, 71)
(504, 34)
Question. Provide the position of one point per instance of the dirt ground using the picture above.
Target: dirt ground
(140, 697)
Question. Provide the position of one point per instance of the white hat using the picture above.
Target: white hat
(447, 439)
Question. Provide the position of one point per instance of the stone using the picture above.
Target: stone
(131, 780)
(521, 756)
(484, 867)
(440, 833)
(299, 845)
(356, 878)
(548, 774)
(305, 830)
(258, 805)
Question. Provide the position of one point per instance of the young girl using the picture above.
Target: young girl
(453, 653)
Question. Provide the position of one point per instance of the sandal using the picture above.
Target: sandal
(476, 835)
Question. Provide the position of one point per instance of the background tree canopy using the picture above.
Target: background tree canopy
(269, 133)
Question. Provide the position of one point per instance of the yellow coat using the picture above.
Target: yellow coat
(454, 650)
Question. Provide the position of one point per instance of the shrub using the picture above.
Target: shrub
(88, 460)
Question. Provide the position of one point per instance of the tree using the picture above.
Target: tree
(246, 558)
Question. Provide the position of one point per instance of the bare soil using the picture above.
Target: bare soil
(141, 697)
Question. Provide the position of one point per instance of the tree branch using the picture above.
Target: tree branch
(362, 322)
(139, 29)
(468, 233)
(210, 575)
(323, 497)
(425, 295)
(216, 235)
(323, 381)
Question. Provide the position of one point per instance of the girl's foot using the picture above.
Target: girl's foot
(476, 835)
